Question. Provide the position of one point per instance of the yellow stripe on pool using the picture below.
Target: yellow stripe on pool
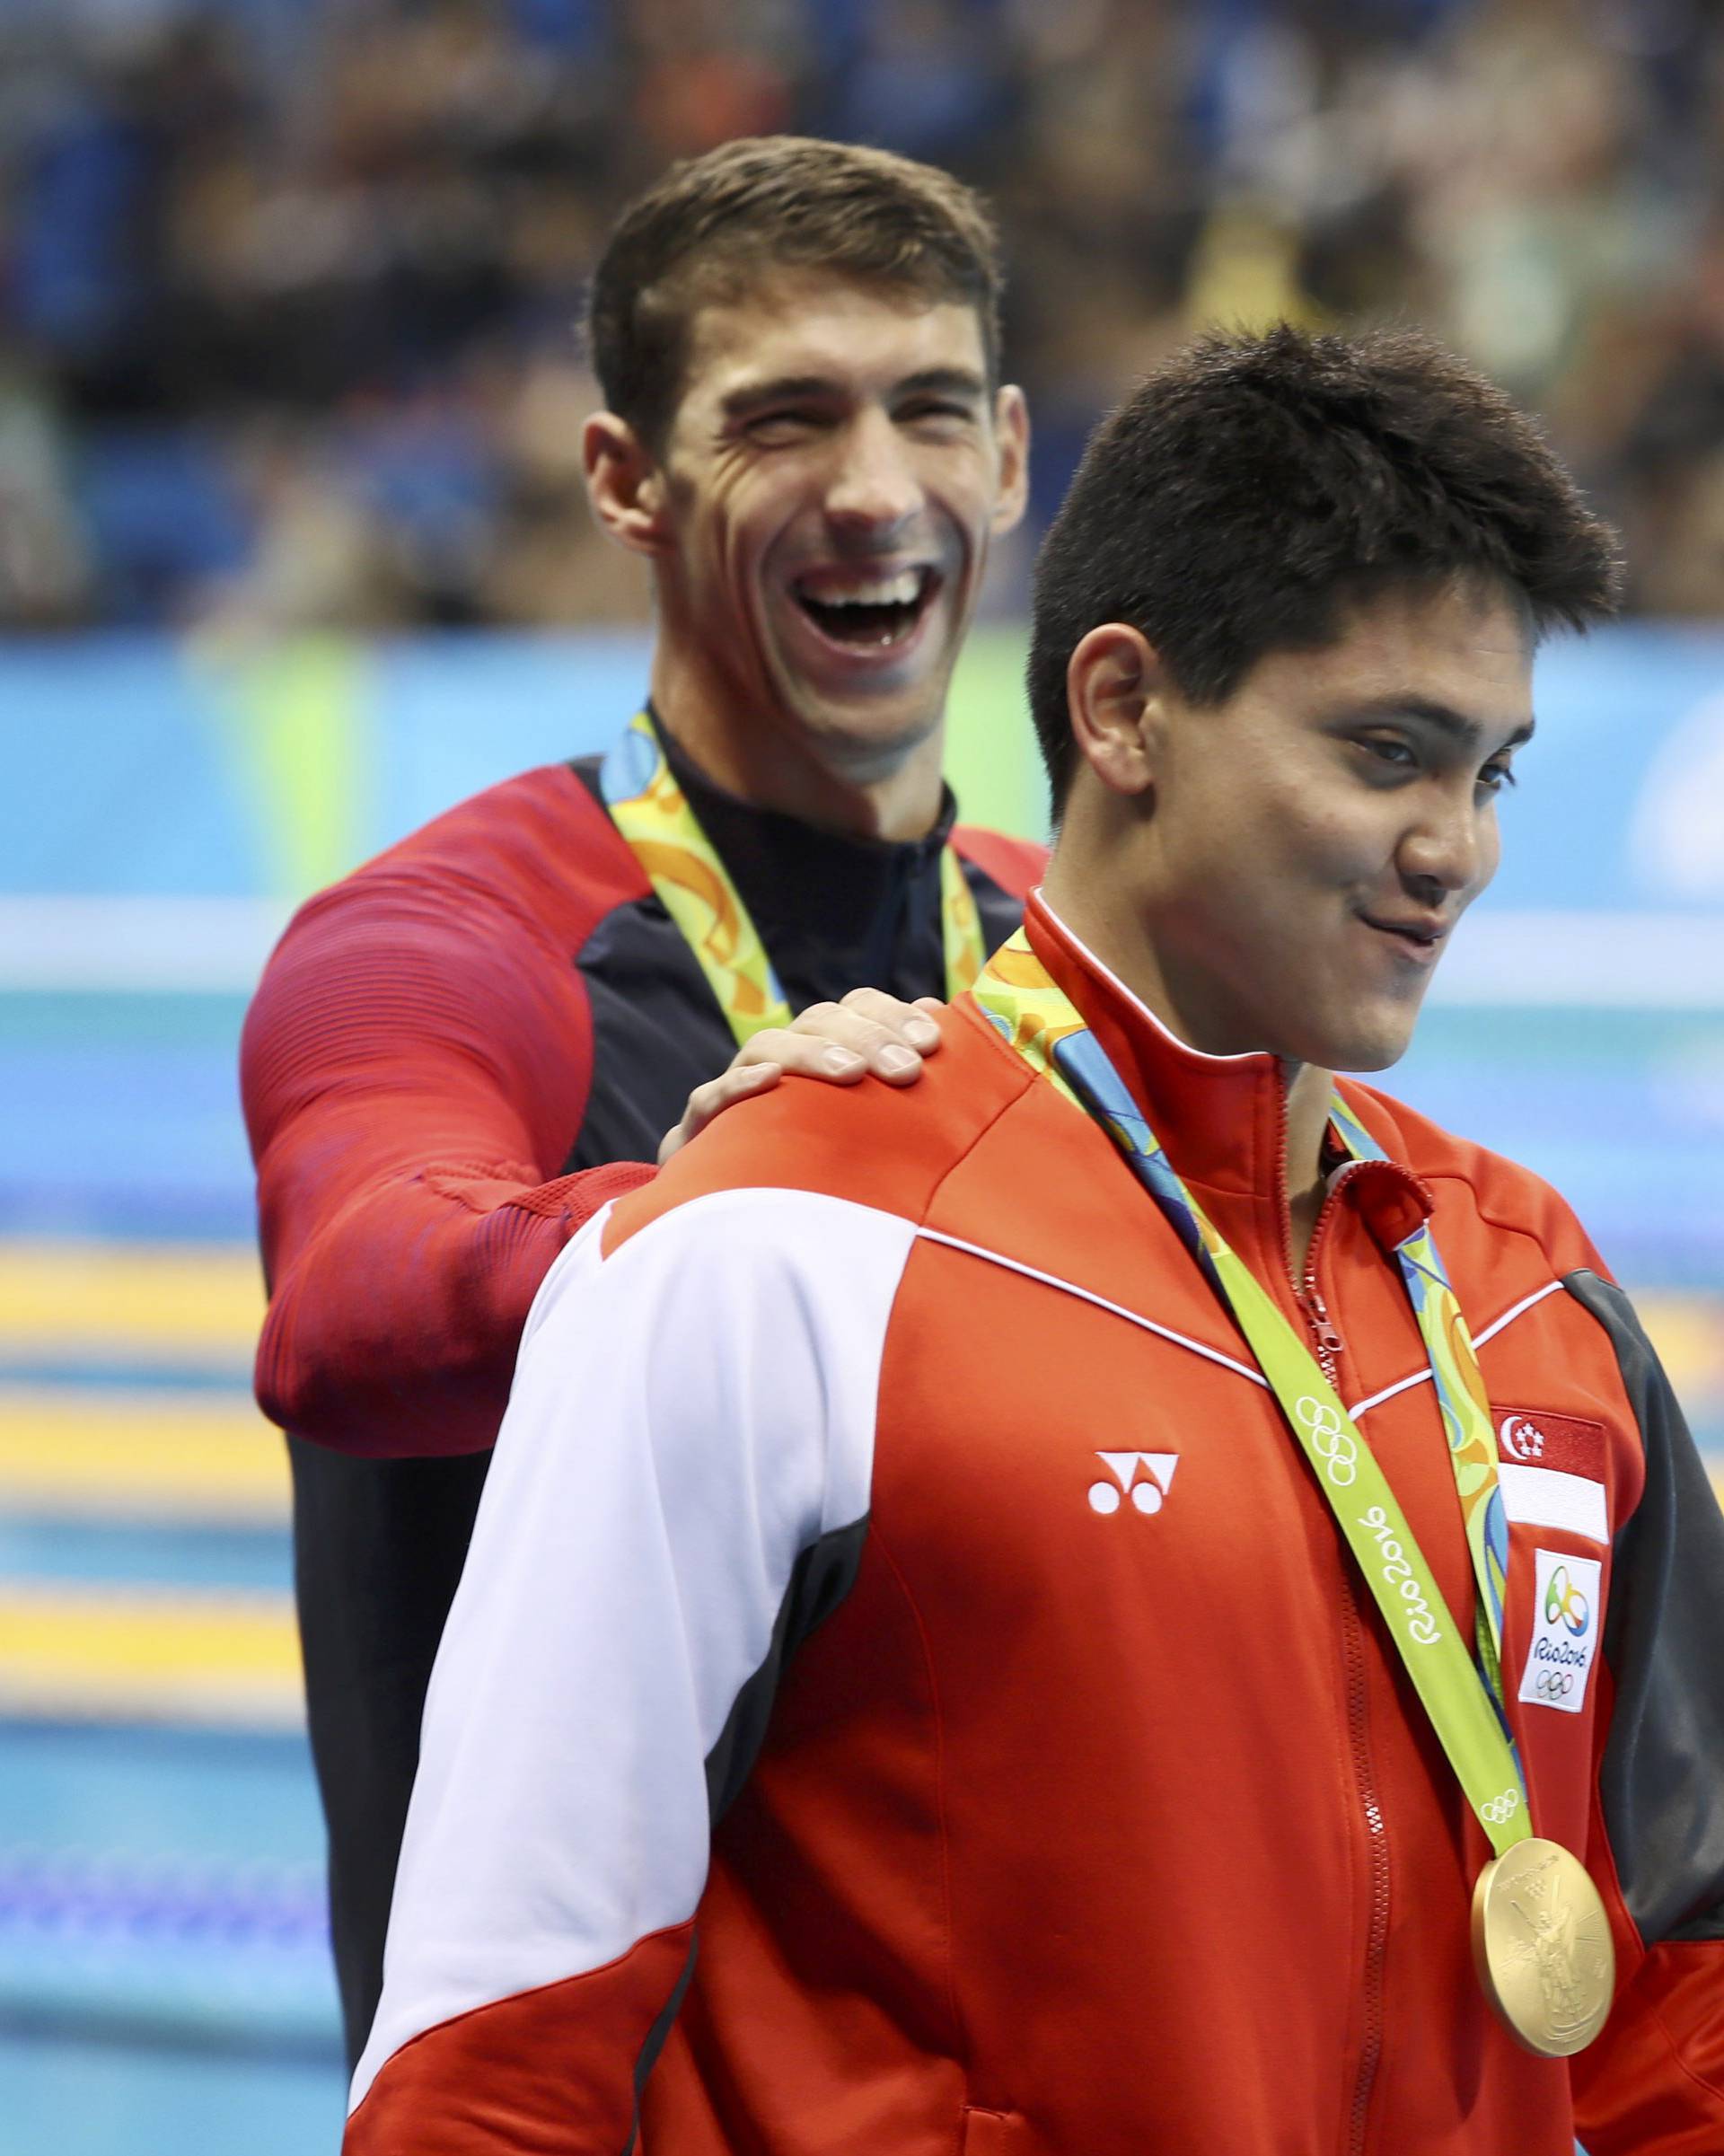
(153, 1304)
(191, 1459)
(219, 1660)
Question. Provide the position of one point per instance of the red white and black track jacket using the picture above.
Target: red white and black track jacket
(448, 1051)
(897, 1582)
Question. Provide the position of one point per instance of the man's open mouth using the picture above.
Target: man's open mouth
(869, 611)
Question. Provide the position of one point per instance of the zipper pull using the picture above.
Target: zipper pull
(1330, 1345)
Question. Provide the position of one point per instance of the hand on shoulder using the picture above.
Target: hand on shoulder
(838, 1043)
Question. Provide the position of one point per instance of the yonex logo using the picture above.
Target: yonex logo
(1521, 1437)
(1146, 1491)
(1331, 1443)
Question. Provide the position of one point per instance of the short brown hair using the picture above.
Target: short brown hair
(1255, 484)
(777, 201)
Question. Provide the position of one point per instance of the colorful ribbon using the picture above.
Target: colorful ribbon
(652, 812)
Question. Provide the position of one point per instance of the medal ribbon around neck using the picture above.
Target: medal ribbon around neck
(1042, 1025)
(1459, 1387)
(652, 812)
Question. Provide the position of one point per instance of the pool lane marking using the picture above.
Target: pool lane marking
(218, 1659)
(144, 1303)
(185, 1459)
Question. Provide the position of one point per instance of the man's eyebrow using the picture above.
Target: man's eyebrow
(1426, 710)
(940, 381)
(786, 387)
(952, 382)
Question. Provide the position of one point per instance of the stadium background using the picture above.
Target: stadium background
(292, 555)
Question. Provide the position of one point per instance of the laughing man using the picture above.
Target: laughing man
(458, 1052)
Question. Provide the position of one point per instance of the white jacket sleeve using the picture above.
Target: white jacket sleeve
(692, 1415)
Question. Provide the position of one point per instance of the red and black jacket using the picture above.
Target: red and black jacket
(455, 1057)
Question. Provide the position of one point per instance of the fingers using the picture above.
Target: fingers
(869, 1031)
(914, 1024)
(742, 1080)
(839, 1042)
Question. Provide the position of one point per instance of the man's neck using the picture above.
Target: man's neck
(1308, 1089)
(785, 767)
(1125, 944)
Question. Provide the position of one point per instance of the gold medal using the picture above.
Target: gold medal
(1542, 1946)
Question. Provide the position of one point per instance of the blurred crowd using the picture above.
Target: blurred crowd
(288, 288)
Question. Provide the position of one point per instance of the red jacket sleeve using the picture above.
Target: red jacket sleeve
(1653, 2083)
(414, 1068)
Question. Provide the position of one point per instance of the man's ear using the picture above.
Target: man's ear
(625, 484)
(1012, 432)
(1115, 687)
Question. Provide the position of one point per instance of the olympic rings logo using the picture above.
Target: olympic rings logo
(1331, 1443)
(1554, 1684)
(1562, 1600)
(1501, 1810)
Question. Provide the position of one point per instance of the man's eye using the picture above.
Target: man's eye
(1494, 777)
(943, 410)
(1385, 749)
(775, 428)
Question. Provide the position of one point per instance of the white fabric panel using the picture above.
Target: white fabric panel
(687, 1417)
(1544, 1497)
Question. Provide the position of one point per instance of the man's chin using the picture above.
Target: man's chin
(866, 727)
(1361, 1040)
(1367, 1050)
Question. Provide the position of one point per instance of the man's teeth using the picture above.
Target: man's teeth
(904, 589)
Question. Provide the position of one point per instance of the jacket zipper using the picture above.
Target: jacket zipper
(1326, 1342)
(1328, 1346)
(1377, 1936)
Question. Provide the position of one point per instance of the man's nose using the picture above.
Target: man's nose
(1445, 851)
(874, 487)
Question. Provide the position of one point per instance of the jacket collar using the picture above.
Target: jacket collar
(1222, 1119)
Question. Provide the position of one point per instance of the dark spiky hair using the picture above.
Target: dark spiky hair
(1256, 486)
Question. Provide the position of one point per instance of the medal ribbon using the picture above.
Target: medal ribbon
(1041, 1024)
(652, 812)
(1459, 1387)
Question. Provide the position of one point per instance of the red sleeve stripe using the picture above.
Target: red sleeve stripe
(535, 2074)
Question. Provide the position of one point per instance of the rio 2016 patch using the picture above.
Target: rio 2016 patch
(1567, 1615)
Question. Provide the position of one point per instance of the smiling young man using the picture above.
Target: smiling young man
(1020, 1577)
(460, 1051)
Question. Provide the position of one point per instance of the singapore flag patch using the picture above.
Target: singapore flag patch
(1566, 1621)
